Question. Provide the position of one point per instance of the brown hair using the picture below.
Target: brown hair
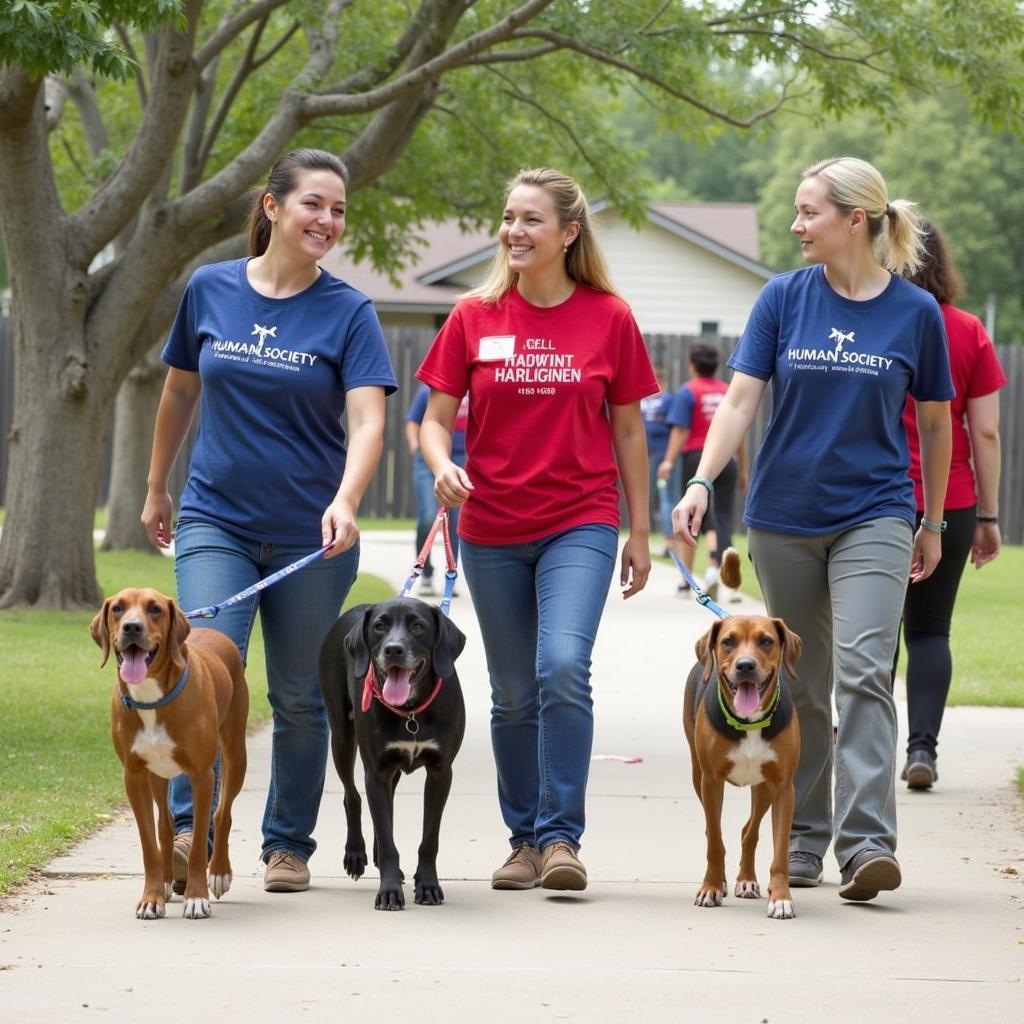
(704, 359)
(893, 226)
(937, 272)
(584, 261)
(281, 182)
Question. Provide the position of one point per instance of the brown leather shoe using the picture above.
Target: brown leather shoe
(520, 871)
(286, 872)
(179, 860)
(561, 868)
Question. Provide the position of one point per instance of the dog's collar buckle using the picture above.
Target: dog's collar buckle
(152, 705)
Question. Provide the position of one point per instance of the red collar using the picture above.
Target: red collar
(371, 690)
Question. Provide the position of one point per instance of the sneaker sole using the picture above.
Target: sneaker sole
(920, 776)
(505, 883)
(882, 874)
(564, 879)
(804, 881)
(285, 886)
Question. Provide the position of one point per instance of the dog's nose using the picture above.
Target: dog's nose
(132, 629)
(745, 665)
(394, 650)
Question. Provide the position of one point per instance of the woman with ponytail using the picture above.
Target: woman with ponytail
(831, 511)
(272, 350)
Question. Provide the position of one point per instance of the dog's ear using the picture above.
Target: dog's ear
(357, 645)
(177, 630)
(449, 644)
(705, 649)
(792, 645)
(100, 631)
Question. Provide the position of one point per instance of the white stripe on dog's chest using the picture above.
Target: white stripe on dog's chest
(413, 748)
(152, 742)
(748, 758)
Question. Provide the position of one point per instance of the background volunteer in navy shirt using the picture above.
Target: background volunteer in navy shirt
(831, 506)
(273, 350)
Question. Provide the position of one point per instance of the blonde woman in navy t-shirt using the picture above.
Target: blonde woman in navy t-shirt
(272, 350)
(831, 511)
(555, 368)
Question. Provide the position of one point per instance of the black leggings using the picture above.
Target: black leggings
(927, 614)
(721, 508)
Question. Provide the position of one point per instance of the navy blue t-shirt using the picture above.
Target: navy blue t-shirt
(418, 409)
(270, 452)
(654, 410)
(835, 451)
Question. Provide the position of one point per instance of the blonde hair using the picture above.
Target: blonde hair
(893, 226)
(584, 261)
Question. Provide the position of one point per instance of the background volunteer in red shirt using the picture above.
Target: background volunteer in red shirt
(971, 508)
(555, 367)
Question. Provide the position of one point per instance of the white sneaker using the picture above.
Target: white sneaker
(711, 582)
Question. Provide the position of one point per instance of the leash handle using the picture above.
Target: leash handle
(211, 611)
(702, 598)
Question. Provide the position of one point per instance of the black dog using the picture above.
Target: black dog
(387, 672)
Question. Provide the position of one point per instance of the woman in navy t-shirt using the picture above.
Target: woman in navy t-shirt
(830, 510)
(272, 350)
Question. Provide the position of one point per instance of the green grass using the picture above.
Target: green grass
(985, 668)
(59, 775)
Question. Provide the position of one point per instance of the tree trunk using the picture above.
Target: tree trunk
(56, 442)
(134, 419)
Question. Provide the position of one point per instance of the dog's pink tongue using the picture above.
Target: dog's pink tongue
(397, 686)
(133, 665)
(747, 700)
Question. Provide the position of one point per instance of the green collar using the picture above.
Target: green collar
(761, 723)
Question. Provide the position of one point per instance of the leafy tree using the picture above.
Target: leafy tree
(432, 104)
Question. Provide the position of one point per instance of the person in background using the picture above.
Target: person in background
(423, 481)
(830, 513)
(970, 509)
(555, 368)
(689, 417)
(272, 350)
(654, 410)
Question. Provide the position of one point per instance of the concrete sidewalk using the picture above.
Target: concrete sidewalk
(948, 946)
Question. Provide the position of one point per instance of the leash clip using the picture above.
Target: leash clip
(412, 727)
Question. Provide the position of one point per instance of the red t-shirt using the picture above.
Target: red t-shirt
(707, 396)
(539, 442)
(976, 372)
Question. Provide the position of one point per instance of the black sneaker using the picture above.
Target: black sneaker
(804, 869)
(867, 874)
(920, 771)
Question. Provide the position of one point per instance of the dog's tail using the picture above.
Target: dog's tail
(730, 571)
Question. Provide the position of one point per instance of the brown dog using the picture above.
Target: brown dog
(179, 692)
(742, 728)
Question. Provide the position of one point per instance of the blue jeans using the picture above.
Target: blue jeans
(539, 605)
(426, 510)
(665, 497)
(211, 564)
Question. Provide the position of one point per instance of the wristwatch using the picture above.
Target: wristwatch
(934, 527)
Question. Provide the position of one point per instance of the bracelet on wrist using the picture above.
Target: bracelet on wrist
(939, 527)
(987, 519)
(704, 482)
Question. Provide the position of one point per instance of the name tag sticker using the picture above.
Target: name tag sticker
(498, 346)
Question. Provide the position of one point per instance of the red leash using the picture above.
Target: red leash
(441, 520)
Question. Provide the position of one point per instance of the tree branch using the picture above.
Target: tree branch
(140, 81)
(84, 97)
(229, 30)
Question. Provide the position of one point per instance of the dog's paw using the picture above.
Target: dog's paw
(781, 910)
(429, 894)
(355, 861)
(709, 896)
(390, 898)
(220, 884)
(747, 889)
(150, 910)
(196, 908)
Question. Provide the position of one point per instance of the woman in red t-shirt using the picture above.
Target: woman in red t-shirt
(555, 367)
(971, 508)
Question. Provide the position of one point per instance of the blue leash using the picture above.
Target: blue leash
(211, 610)
(702, 598)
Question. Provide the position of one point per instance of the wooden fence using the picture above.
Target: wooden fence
(391, 492)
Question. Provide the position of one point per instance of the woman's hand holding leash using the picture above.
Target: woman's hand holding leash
(452, 486)
(338, 527)
(689, 514)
